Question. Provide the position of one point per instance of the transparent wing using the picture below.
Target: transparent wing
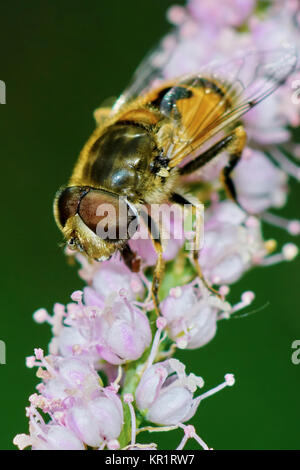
(150, 72)
(203, 105)
(243, 81)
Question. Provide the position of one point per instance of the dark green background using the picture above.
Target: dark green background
(60, 59)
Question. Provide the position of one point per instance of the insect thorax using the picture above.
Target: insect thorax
(120, 159)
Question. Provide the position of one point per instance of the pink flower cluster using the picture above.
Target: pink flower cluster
(110, 356)
(82, 411)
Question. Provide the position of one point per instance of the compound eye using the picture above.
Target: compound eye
(108, 216)
(67, 201)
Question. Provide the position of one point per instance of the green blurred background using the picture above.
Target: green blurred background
(60, 59)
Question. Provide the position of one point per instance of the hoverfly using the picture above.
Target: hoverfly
(156, 132)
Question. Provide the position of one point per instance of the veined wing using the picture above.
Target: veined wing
(202, 105)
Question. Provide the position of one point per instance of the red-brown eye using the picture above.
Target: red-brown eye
(107, 215)
(67, 202)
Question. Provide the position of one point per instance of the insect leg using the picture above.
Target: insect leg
(100, 114)
(197, 211)
(235, 150)
(132, 261)
(159, 267)
(234, 144)
(157, 275)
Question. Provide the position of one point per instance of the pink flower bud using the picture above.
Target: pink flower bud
(40, 315)
(124, 333)
(68, 338)
(49, 437)
(259, 183)
(83, 424)
(73, 377)
(113, 275)
(101, 418)
(108, 412)
(115, 329)
(77, 296)
(59, 438)
(167, 398)
(192, 317)
(230, 245)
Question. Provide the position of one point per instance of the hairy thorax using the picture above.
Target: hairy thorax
(124, 160)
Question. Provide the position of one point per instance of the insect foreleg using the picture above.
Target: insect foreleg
(159, 266)
(132, 261)
(234, 144)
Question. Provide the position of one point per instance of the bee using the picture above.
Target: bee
(157, 132)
